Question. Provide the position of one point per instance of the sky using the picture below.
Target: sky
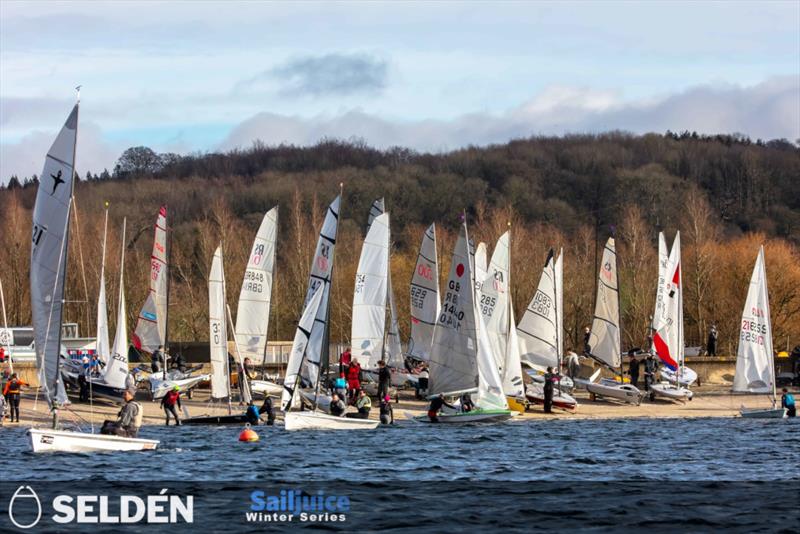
(204, 76)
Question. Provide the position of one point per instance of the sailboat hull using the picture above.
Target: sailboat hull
(671, 391)
(767, 413)
(265, 387)
(159, 387)
(43, 440)
(474, 416)
(323, 421)
(622, 392)
(535, 393)
(687, 378)
(216, 420)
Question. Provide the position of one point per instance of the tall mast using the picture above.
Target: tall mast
(5, 325)
(168, 246)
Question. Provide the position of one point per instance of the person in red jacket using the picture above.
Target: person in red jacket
(170, 401)
(353, 380)
(12, 392)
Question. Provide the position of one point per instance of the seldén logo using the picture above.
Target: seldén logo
(297, 505)
(25, 509)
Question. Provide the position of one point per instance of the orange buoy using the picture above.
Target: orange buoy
(248, 434)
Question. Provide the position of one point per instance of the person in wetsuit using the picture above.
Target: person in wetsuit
(466, 403)
(267, 408)
(252, 415)
(437, 403)
(384, 379)
(633, 369)
(549, 388)
(387, 415)
(650, 368)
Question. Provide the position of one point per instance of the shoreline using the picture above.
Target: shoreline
(709, 401)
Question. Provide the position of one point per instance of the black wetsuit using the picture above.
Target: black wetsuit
(387, 415)
(548, 392)
(384, 380)
(633, 370)
(267, 408)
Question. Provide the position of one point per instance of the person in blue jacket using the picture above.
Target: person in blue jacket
(787, 401)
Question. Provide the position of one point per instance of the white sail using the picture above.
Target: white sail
(659, 316)
(252, 317)
(493, 301)
(538, 330)
(117, 370)
(480, 266)
(393, 349)
(101, 344)
(321, 271)
(604, 339)
(754, 360)
(151, 325)
(292, 383)
(370, 296)
(378, 208)
(49, 255)
(513, 385)
(425, 304)
(218, 335)
(668, 323)
(453, 357)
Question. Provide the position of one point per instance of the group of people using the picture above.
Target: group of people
(650, 365)
(348, 390)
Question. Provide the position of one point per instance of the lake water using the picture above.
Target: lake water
(583, 470)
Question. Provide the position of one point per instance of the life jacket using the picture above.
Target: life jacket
(137, 421)
(14, 386)
(172, 398)
(364, 403)
(352, 373)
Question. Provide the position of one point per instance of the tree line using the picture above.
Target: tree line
(725, 194)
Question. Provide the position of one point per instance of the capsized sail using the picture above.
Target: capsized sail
(117, 369)
(425, 305)
(604, 340)
(293, 381)
(668, 324)
(538, 330)
(218, 335)
(370, 296)
(151, 325)
(102, 348)
(252, 317)
(321, 270)
(755, 371)
(453, 357)
(49, 255)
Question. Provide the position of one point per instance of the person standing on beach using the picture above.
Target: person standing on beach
(549, 387)
(169, 402)
(787, 402)
(344, 360)
(711, 346)
(650, 369)
(384, 379)
(587, 332)
(12, 392)
(573, 363)
(633, 369)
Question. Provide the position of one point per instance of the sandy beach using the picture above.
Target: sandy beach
(709, 401)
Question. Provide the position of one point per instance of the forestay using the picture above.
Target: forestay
(321, 269)
(370, 295)
(117, 370)
(754, 360)
(151, 325)
(453, 362)
(425, 305)
(604, 339)
(49, 248)
(292, 383)
(252, 316)
(668, 324)
(218, 332)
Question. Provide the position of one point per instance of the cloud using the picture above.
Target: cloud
(328, 75)
(767, 110)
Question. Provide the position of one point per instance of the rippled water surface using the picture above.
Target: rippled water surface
(645, 449)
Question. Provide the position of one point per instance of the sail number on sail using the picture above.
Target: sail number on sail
(451, 315)
(253, 281)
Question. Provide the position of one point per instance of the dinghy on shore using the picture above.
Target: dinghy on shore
(48, 275)
(755, 367)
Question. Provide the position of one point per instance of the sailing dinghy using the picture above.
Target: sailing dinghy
(309, 357)
(461, 356)
(424, 293)
(151, 325)
(604, 339)
(668, 326)
(755, 366)
(540, 334)
(49, 251)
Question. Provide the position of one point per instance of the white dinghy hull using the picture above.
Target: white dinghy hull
(323, 421)
(535, 393)
(766, 413)
(43, 440)
(159, 387)
(688, 376)
(265, 387)
(670, 391)
(622, 392)
(475, 416)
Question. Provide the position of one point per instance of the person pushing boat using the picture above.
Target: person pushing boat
(437, 403)
(268, 410)
(787, 402)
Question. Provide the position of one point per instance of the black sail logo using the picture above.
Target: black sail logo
(24, 508)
